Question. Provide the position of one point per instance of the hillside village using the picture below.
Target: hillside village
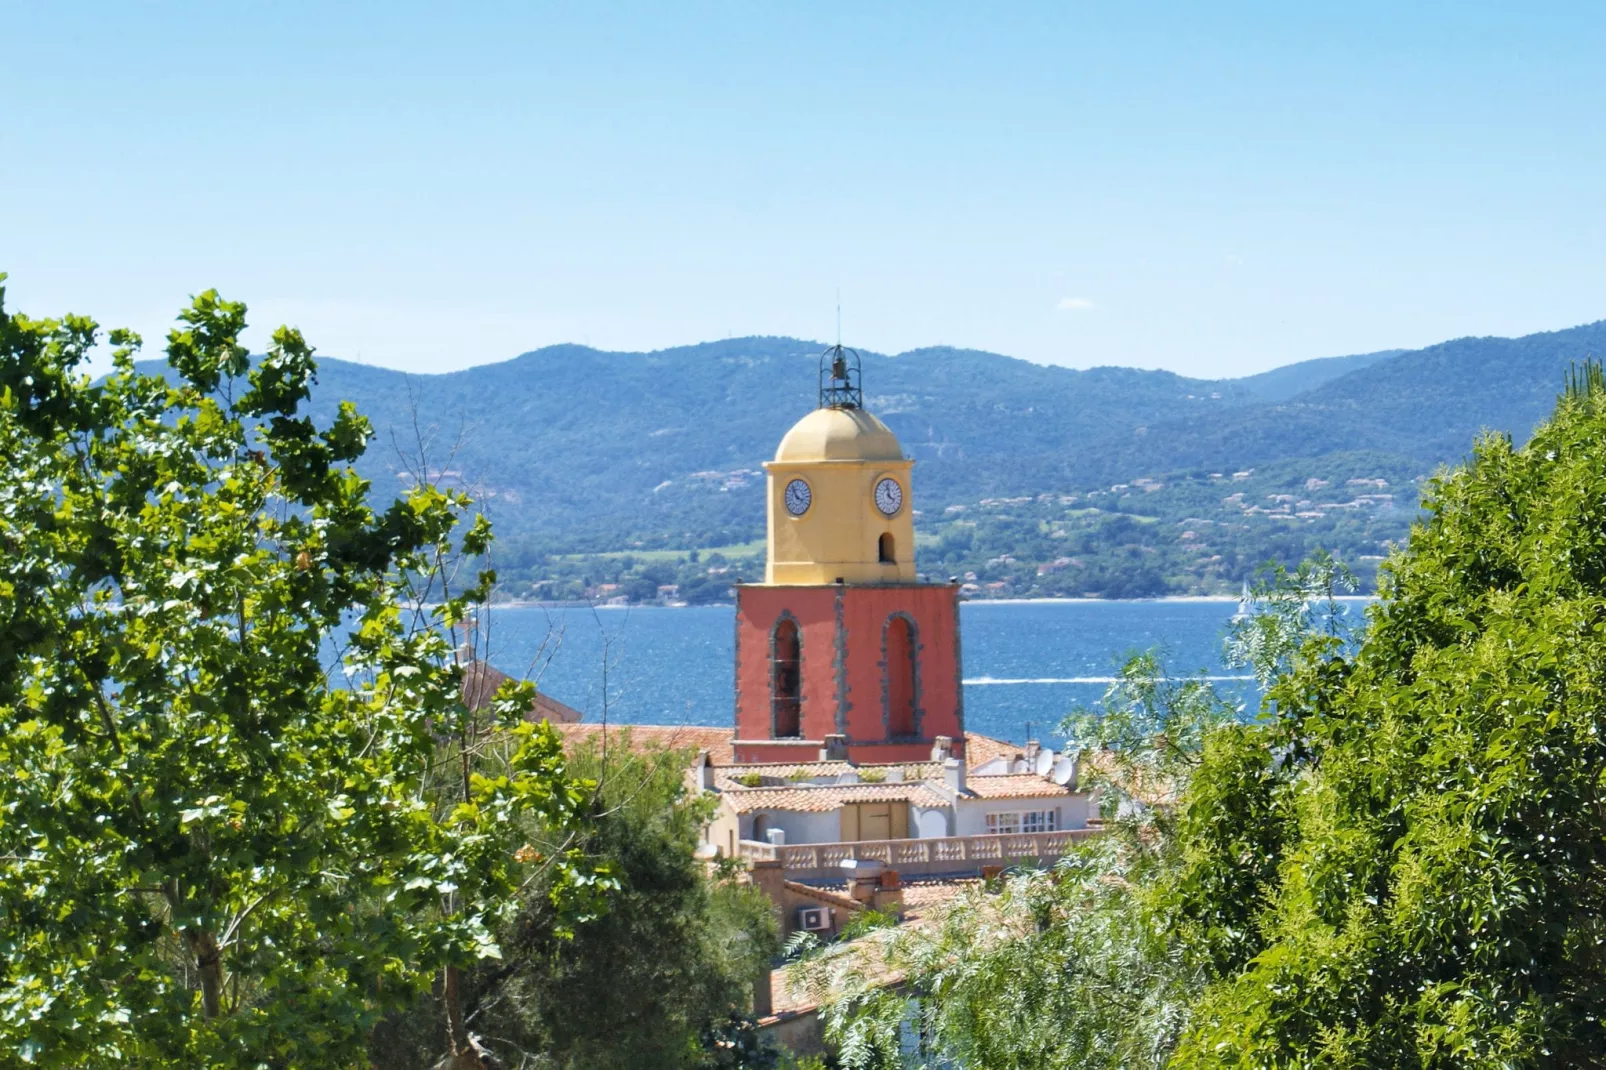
(1194, 534)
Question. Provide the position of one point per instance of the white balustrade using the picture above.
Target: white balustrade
(948, 853)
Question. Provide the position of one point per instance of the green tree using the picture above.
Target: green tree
(1398, 864)
(1437, 898)
(218, 845)
(661, 979)
(1071, 967)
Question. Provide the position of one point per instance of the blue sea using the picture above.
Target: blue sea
(1025, 663)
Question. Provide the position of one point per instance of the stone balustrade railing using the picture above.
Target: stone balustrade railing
(945, 855)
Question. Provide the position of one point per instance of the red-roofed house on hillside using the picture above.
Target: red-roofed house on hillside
(481, 680)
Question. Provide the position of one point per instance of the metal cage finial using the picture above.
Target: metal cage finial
(839, 379)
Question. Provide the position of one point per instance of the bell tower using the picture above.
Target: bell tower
(841, 639)
(839, 506)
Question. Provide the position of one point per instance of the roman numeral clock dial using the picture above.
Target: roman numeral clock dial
(888, 497)
(797, 497)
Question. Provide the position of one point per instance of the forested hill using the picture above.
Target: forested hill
(577, 450)
(593, 447)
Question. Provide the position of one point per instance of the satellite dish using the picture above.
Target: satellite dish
(1064, 770)
(1045, 762)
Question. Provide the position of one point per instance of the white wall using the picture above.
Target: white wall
(930, 824)
(799, 826)
(971, 815)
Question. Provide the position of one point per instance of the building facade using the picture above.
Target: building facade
(842, 648)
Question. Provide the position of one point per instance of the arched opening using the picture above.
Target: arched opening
(761, 828)
(786, 679)
(901, 675)
(888, 549)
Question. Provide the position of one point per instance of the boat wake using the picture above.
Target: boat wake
(988, 681)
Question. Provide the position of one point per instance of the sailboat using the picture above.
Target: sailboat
(1244, 602)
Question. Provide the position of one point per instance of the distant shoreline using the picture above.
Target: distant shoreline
(1226, 599)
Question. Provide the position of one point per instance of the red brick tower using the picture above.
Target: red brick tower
(842, 640)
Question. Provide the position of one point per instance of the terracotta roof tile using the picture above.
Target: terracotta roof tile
(924, 899)
(776, 774)
(717, 741)
(979, 749)
(822, 895)
(482, 679)
(825, 799)
(1014, 786)
(789, 774)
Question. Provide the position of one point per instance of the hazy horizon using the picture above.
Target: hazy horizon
(153, 351)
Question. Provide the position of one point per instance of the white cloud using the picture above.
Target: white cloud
(1075, 304)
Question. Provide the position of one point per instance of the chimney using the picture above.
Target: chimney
(942, 748)
(835, 749)
(887, 897)
(705, 771)
(1032, 748)
(769, 877)
(863, 876)
(953, 775)
(763, 994)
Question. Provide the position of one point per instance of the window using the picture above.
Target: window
(786, 679)
(899, 645)
(1040, 821)
(1011, 822)
(887, 549)
(997, 823)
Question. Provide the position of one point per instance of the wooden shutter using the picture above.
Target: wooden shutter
(850, 822)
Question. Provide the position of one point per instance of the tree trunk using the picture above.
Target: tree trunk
(456, 1031)
(465, 1051)
(209, 963)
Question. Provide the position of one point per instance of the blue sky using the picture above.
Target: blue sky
(1215, 189)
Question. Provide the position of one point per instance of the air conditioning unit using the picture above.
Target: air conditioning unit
(813, 919)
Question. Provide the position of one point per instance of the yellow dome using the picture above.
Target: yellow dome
(839, 435)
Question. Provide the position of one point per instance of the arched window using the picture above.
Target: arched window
(889, 547)
(786, 679)
(902, 673)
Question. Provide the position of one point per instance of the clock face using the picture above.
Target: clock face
(888, 496)
(797, 497)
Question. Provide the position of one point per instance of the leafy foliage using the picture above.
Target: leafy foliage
(661, 979)
(1073, 967)
(1437, 898)
(1399, 864)
(1287, 610)
(215, 849)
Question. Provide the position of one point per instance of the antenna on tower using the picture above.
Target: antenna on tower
(839, 315)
